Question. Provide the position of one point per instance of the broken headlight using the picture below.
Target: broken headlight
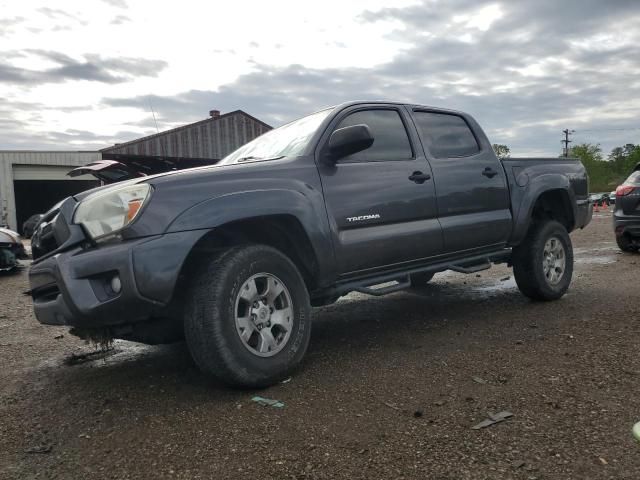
(105, 213)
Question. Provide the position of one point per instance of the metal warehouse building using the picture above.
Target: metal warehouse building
(33, 181)
(213, 138)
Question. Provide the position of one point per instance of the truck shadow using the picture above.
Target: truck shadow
(412, 319)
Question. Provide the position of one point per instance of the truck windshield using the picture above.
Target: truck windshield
(286, 141)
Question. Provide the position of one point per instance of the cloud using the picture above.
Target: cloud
(116, 3)
(7, 25)
(524, 69)
(93, 68)
(57, 15)
(120, 19)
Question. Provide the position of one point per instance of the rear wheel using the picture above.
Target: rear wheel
(247, 319)
(543, 263)
(625, 244)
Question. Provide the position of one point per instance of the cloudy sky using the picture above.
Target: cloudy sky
(85, 74)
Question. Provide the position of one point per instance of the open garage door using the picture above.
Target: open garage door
(38, 187)
(45, 172)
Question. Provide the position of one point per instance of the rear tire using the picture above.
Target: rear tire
(235, 331)
(543, 262)
(625, 244)
(420, 279)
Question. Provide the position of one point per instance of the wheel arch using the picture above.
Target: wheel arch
(284, 232)
(552, 200)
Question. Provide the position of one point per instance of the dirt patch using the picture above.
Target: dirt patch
(387, 390)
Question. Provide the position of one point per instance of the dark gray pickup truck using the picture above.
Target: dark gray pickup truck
(366, 196)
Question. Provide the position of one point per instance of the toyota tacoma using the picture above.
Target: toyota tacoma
(366, 196)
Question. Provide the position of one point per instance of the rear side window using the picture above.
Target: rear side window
(446, 135)
(390, 140)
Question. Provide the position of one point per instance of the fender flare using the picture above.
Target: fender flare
(224, 209)
(530, 196)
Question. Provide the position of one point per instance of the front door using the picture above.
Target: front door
(473, 198)
(381, 201)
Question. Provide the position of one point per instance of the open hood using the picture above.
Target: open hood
(107, 171)
(121, 167)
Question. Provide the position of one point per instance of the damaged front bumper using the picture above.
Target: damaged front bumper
(113, 284)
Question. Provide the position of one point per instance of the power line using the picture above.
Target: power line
(607, 130)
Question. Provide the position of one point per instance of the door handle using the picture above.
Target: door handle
(489, 172)
(419, 177)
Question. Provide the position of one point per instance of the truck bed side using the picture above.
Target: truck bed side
(539, 184)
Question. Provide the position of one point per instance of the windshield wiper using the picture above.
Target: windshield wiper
(251, 157)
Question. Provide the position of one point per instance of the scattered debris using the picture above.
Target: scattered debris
(493, 419)
(479, 380)
(518, 464)
(519, 342)
(603, 461)
(533, 325)
(439, 403)
(391, 405)
(58, 337)
(504, 279)
(268, 402)
(39, 449)
(286, 380)
(78, 358)
(417, 413)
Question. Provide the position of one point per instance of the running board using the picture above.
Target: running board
(401, 280)
(470, 269)
(401, 283)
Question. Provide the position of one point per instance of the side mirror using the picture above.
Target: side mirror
(349, 140)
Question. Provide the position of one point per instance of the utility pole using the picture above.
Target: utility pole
(566, 140)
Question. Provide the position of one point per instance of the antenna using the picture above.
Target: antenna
(153, 113)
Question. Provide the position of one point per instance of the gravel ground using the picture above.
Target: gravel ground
(390, 388)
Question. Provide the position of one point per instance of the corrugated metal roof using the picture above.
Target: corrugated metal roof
(211, 138)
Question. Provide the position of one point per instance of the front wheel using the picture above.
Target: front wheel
(247, 318)
(543, 263)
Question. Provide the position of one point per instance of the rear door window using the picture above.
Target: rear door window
(446, 135)
(391, 141)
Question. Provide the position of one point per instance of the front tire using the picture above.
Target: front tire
(247, 317)
(543, 263)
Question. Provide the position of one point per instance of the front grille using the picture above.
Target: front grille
(43, 241)
(50, 234)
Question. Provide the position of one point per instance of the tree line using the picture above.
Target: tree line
(605, 174)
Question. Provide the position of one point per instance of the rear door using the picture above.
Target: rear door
(381, 201)
(471, 185)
